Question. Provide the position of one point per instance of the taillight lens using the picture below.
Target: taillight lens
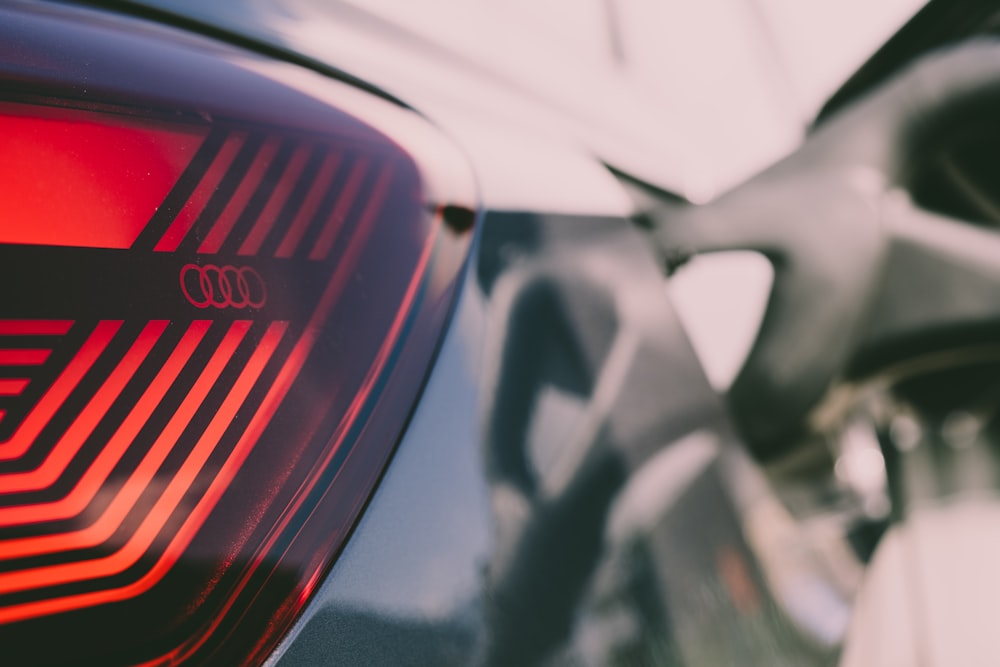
(220, 305)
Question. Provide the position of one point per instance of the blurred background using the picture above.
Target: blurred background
(742, 78)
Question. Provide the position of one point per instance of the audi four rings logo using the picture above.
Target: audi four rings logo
(223, 286)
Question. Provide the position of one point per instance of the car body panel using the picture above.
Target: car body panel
(485, 540)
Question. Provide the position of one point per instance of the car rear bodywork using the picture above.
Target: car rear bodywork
(323, 345)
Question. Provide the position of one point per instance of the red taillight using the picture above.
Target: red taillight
(216, 321)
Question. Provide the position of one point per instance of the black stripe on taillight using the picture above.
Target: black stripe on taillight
(200, 383)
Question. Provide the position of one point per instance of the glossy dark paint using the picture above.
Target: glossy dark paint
(426, 577)
(469, 552)
(710, 605)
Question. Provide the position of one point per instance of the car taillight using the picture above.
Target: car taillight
(222, 293)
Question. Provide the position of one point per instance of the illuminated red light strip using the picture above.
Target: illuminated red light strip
(196, 518)
(275, 203)
(317, 190)
(358, 403)
(95, 476)
(35, 327)
(360, 397)
(237, 204)
(340, 210)
(22, 439)
(379, 193)
(140, 479)
(251, 435)
(275, 396)
(23, 357)
(13, 386)
(75, 178)
(76, 435)
(168, 502)
(188, 215)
